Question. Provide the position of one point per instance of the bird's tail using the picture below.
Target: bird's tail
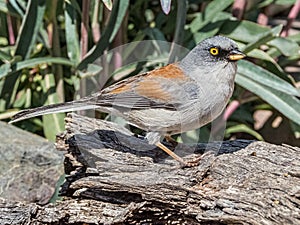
(49, 109)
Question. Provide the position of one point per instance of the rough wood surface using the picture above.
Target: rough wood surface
(117, 178)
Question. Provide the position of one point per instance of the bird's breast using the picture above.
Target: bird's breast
(211, 93)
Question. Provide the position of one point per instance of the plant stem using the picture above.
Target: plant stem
(11, 35)
(291, 17)
(84, 40)
(54, 42)
(179, 31)
(230, 109)
(238, 8)
(84, 28)
(95, 23)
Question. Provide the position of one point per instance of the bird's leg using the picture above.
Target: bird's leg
(176, 157)
(170, 153)
(171, 140)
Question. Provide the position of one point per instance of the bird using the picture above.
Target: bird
(172, 99)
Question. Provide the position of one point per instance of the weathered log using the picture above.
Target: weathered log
(114, 177)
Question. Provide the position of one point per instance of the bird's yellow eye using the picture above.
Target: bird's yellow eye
(214, 51)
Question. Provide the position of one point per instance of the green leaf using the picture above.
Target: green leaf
(243, 31)
(3, 6)
(52, 123)
(92, 70)
(260, 54)
(262, 38)
(117, 14)
(5, 56)
(21, 100)
(179, 29)
(7, 69)
(245, 129)
(108, 4)
(25, 42)
(285, 2)
(123, 6)
(210, 12)
(71, 33)
(277, 70)
(42, 60)
(266, 78)
(264, 3)
(285, 46)
(16, 7)
(294, 37)
(243, 114)
(191, 136)
(125, 70)
(211, 28)
(286, 104)
(30, 27)
(8, 114)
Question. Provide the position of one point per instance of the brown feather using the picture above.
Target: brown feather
(148, 84)
(152, 89)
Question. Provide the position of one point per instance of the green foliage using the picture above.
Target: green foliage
(43, 61)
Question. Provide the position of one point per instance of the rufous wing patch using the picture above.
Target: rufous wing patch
(152, 89)
(148, 84)
(171, 71)
(121, 89)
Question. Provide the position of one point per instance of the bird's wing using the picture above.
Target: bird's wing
(156, 89)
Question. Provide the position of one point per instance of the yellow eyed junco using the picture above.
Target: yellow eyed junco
(169, 100)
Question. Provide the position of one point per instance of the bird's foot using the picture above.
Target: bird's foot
(196, 161)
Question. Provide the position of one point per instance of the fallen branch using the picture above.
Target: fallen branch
(114, 177)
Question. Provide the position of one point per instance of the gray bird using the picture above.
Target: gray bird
(176, 98)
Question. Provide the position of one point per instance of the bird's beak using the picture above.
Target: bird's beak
(235, 55)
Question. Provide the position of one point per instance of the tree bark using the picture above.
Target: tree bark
(114, 177)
